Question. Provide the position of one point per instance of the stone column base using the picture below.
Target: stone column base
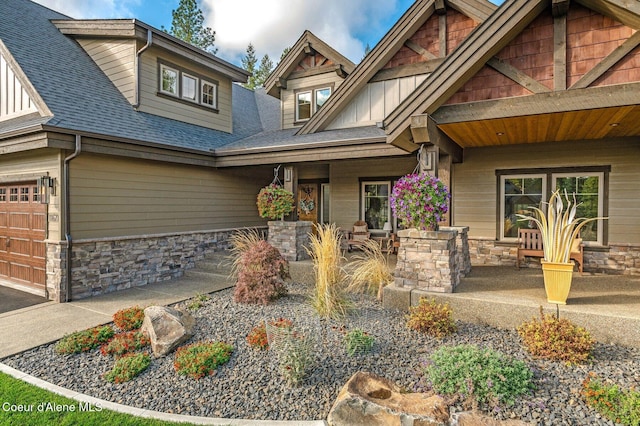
(290, 238)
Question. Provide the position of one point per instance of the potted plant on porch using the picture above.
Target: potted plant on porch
(559, 228)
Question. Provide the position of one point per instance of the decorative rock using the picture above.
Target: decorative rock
(370, 400)
(167, 328)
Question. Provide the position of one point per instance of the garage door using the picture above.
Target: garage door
(22, 234)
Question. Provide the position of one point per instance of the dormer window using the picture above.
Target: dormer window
(209, 94)
(187, 87)
(308, 102)
(169, 80)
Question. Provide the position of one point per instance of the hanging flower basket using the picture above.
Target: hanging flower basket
(420, 201)
(274, 202)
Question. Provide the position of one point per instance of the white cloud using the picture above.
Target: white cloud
(92, 9)
(272, 25)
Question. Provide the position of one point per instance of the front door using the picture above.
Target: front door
(22, 235)
(308, 207)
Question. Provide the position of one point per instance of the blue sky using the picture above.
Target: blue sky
(271, 25)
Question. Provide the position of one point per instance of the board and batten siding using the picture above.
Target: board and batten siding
(475, 187)
(375, 101)
(113, 197)
(14, 99)
(151, 103)
(345, 183)
(288, 96)
(116, 58)
(27, 167)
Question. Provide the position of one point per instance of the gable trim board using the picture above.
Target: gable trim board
(470, 56)
(34, 97)
(307, 44)
(406, 26)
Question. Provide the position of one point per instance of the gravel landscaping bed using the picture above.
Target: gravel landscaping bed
(250, 385)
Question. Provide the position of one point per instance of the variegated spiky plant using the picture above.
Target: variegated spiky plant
(559, 227)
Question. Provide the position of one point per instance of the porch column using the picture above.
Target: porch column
(291, 184)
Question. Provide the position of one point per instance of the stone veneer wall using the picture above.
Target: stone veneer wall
(291, 238)
(619, 259)
(430, 260)
(109, 264)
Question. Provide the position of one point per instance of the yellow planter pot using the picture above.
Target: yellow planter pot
(557, 281)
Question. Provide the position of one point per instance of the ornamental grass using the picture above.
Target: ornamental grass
(371, 272)
(328, 297)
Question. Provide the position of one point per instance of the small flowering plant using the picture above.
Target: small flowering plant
(419, 200)
(274, 202)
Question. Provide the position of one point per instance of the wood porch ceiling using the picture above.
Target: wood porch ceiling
(615, 122)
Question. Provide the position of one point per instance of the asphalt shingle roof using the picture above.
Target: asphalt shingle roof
(83, 99)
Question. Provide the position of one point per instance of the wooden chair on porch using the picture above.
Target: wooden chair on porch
(530, 244)
(359, 235)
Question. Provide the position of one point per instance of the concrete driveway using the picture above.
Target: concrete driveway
(11, 299)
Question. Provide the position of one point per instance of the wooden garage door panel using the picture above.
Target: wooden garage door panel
(23, 224)
(20, 220)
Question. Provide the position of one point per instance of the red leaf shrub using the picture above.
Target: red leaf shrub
(261, 274)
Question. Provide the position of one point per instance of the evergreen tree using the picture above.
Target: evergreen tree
(188, 25)
(284, 53)
(266, 66)
(367, 49)
(249, 62)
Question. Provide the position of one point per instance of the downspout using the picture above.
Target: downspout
(138, 54)
(67, 214)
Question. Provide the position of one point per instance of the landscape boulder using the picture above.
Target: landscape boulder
(370, 400)
(167, 328)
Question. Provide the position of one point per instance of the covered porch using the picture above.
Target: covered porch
(608, 306)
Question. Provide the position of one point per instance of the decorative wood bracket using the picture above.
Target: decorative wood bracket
(604, 65)
(420, 50)
(441, 9)
(518, 76)
(559, 7)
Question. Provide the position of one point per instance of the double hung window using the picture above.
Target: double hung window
(308, 102)
(186, 86)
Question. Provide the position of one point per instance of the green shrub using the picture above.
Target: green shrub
(201, 359)
(125, 342)
(620, 406)
(358, 341)
(432, 318)
(129, 319)
(261, 274)
(127, 367)
(476, 374)
(556, 339)
(197, 301)
(85, 340)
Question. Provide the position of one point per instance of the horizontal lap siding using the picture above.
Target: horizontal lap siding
(116, 58)
(475, 182)
(38, 163)
(345, 183)
(119, 197)
(169, 108)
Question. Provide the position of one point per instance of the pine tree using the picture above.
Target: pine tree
(266, 66)
(188, 25)
(249, 62)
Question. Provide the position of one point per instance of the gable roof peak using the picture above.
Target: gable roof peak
(307, 45)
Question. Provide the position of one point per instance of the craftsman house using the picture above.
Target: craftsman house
(131, 153)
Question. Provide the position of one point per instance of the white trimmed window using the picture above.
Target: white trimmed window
(518, 193)
(168, 80)
(209, 94)
(189, 87)
(308, 102)
(303, 106)
(375, 203)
